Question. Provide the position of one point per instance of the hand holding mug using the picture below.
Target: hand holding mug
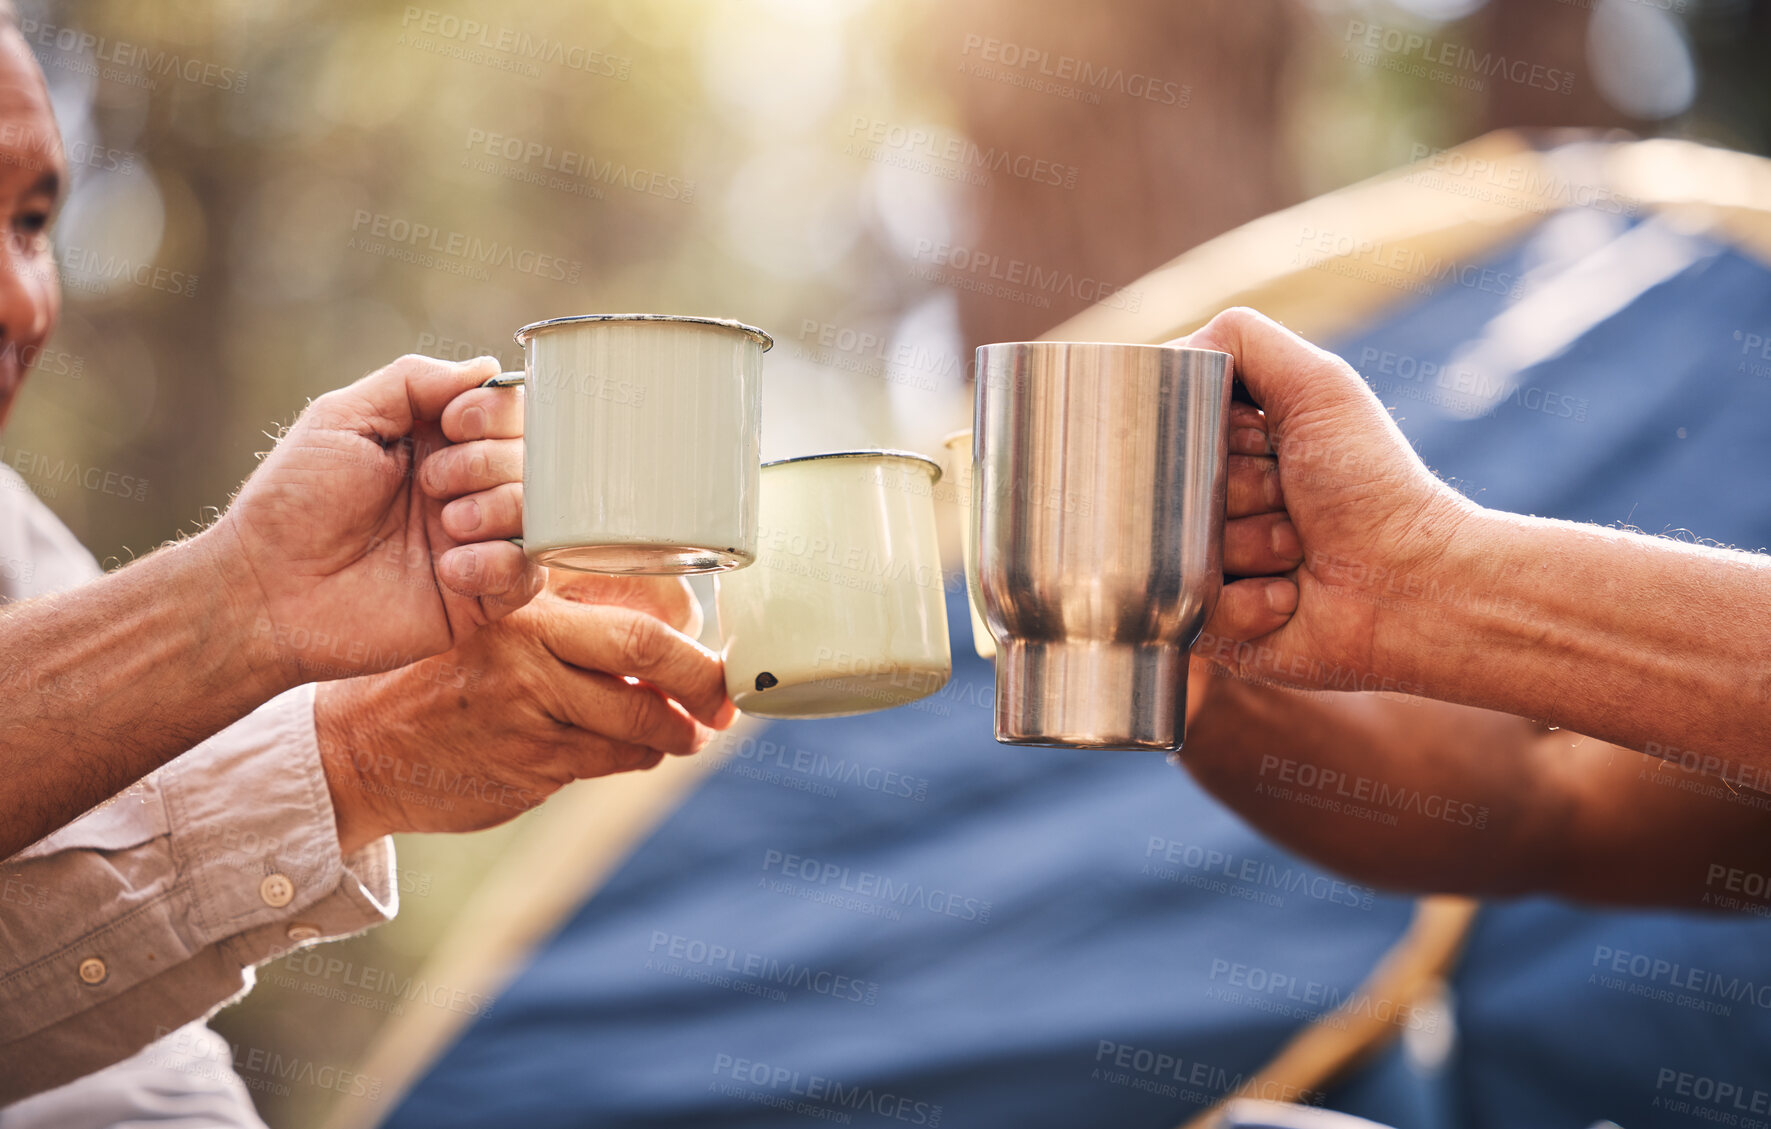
(1327, 504)
(347, 559)
(598, 675)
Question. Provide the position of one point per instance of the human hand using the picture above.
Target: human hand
(1328, 511)
(374, 532)
(599, 674)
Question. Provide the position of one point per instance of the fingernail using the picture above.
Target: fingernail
(1285, 543)
(433, 475)
(1282, 597)
(473, 423)
(467, 564)
(466, 515)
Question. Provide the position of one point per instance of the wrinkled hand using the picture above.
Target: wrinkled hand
(597, 675)
(345, 550)
(1332, 525)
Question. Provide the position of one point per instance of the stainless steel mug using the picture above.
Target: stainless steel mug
(1098, 499)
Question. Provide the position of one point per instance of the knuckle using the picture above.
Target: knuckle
(439, 469)
(638, 716)
(711, 679)
(641, 641)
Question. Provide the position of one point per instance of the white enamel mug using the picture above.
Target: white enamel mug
(844, 611)
(959, 458)
(641, 442)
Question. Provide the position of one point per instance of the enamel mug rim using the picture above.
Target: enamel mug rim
(863, 453)
(759, 336)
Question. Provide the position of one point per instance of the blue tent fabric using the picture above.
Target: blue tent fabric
(901, 906)
(892, 919)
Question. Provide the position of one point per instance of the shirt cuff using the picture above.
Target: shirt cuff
(257, 836)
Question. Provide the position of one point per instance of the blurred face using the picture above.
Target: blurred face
(32, 174)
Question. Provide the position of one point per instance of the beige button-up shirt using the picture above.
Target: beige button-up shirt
(151, 911)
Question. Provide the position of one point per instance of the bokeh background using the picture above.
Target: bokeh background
(271, 199)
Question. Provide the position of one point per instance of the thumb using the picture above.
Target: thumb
(415, 388)
(1285, 374)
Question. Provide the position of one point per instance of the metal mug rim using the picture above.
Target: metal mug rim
(862, 453)
(759, 336)
(1108, 344)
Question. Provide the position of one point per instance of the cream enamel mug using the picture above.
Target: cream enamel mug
(844, 611)
(641, 442)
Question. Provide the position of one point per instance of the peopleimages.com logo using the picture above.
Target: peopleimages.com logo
(1670, 981)
(869, 138)
(713, 962)
(1682, 1091)
(423, 243)
(129, 63)
(824, 1098)
(1076, 78)
(1426, 51)
(1254, 879)
(876, 887)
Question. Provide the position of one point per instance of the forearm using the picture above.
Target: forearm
(1405, 794)
(110, 680)
(1560, 813)
(1641, 641)
(1641, 831)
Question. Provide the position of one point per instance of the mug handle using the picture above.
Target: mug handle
(507, 380)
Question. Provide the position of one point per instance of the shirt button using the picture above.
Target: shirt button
(301, 931)
(93, 970)
(276, 890)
